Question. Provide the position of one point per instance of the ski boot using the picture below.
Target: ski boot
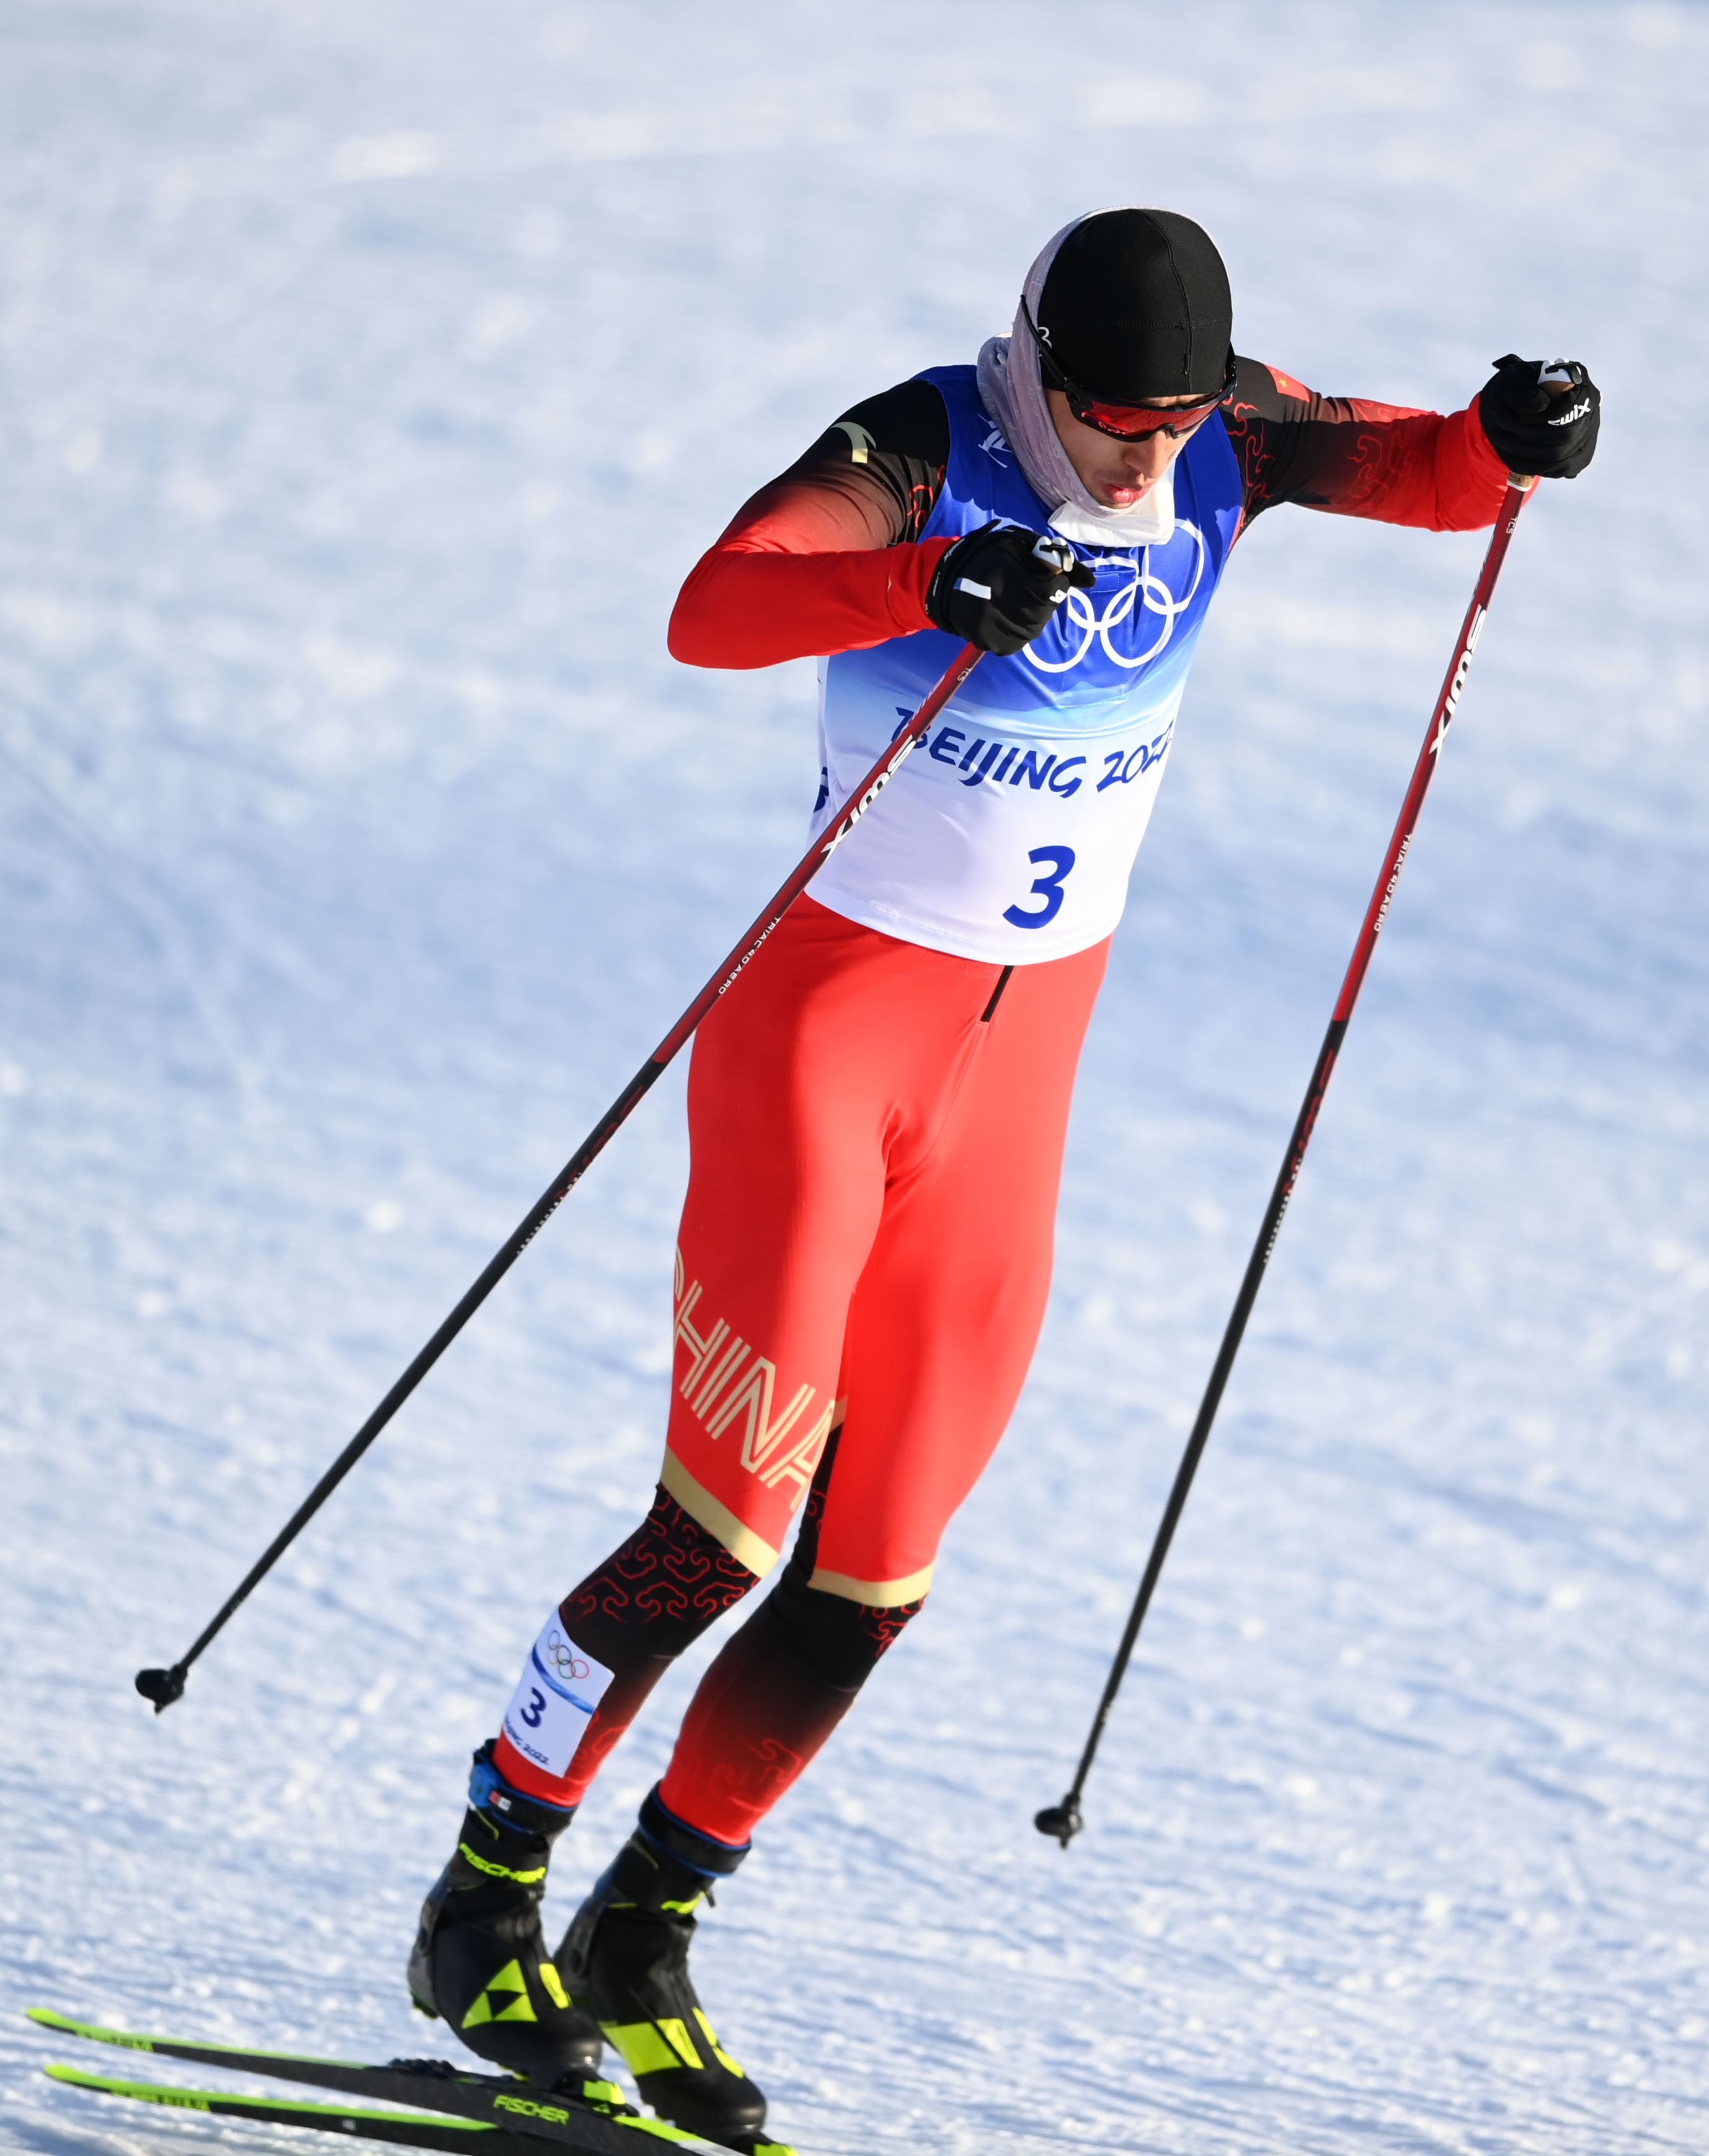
(624, 1959)
(480, 1958)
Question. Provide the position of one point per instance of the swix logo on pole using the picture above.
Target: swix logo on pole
(916, 725)
(856, 809)
(1450, 702)
(809, 865)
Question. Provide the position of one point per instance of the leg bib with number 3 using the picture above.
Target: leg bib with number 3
(555, 1698)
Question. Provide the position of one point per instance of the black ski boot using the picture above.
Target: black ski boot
(624, 1959)
(479, 1957)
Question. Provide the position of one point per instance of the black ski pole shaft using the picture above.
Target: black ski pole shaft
(1063, 1820)
(163, 1687)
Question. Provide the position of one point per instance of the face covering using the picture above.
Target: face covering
(1151, 287)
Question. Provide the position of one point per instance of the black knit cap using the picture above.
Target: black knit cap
(1136, 305)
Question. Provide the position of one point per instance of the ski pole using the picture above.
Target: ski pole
(1063, 1820)
(163, 1687)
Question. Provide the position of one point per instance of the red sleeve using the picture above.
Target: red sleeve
(783, 583)
(1359, 458)
(827, 557)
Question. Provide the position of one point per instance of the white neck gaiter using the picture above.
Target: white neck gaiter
(1012, 390)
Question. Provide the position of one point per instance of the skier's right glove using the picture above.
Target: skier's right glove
(999, 586)
(1541, 418)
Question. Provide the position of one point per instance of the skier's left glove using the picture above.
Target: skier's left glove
(999, 586)
(1540, 417)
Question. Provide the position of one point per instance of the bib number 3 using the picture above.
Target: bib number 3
(1049, 887)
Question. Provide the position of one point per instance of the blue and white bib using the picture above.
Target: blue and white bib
(1009, 833)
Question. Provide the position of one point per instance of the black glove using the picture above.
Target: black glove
(999, 587)
(1541, 418)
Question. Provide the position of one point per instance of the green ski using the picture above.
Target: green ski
(412, 2129)
(594, 2120)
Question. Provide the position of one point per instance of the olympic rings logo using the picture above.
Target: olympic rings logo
(564, 1659)
(1145, 594)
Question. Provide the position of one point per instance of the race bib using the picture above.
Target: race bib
(555, 1699)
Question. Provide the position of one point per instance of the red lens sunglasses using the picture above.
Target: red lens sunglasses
(1126, 423)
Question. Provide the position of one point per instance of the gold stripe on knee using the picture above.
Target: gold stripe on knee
(707, 1511)
(873, 1594)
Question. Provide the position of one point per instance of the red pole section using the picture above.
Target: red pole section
(1447, 704)
(1063, 1820)
(163, 1687)
(820, 851)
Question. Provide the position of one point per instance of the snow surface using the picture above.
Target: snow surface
(373, 373)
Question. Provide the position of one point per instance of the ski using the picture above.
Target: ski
(597, 2122)
(411, 2129)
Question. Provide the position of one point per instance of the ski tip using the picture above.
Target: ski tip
(109, 2085)
(44, 2017)
(162, 1686)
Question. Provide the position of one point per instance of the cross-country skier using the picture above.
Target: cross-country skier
(877, 1108)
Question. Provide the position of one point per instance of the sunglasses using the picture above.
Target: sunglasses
(1126, 423)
